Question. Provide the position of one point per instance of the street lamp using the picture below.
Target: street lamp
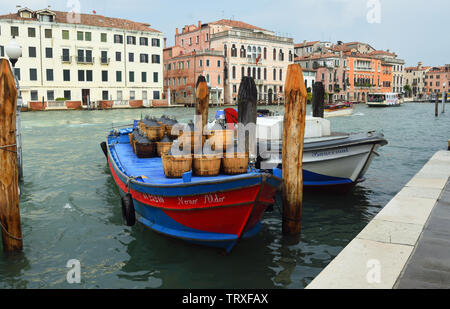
(13, 51)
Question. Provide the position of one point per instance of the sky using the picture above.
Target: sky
(416, 30)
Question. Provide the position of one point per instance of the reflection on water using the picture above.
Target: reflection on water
(70, 209)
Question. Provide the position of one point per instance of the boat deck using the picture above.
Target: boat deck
(151, 169)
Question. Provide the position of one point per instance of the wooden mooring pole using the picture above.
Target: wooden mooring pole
(201, 110)
(436, 106)
(318, 99)
(293, 139)
(9, 179)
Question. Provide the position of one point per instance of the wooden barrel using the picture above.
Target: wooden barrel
(206, 165)
(235, 164)
(163, 148)
(154, 133)
(221, 137)
(191, 137)
(176, 166)
(147, 150)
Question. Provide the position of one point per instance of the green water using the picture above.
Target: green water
(70, 209)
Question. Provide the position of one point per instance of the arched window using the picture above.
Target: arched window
(281, 55)
(259, 51)
(242, 54)
(259, 73)
(290, 56)
(254, 73)
(281, 74)
(265, 53)
(225, 50)
(274, 74)
(242, 72)
(265, 74)
(249, 72)
(207, 78)
(234, 72)
(233, 51)
(274, 54)
(254, 52)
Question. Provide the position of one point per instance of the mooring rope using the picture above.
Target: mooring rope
(8, 146)
(10, 235)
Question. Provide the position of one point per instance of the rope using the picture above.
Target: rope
(8, 146)
(7, 233)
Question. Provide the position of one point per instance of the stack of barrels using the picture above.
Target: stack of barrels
(205, 161)
(152, 137)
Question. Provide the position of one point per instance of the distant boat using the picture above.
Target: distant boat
(383, 100)
(338, 110)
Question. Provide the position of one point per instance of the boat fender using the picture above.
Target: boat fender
(104, 148)
(128, 212)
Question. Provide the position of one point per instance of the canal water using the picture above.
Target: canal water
(70, 209)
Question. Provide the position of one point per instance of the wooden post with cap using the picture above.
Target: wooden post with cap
(9, 178)
(293, 139)
(201, 109)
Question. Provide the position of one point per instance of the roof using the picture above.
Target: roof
(237, 24)
(417, 69)
(305, 44)
(317, 56)
(91, 20)
(382, 52)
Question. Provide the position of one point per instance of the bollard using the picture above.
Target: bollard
(9, 179)
(293, 139)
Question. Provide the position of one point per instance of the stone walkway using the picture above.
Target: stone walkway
(397, 237)
(429, 265)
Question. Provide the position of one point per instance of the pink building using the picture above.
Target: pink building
(437, 80)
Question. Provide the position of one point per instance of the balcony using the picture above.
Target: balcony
(104, 60)
(66, 59)
(85, 60)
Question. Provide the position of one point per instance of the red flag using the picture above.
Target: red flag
(257, 59)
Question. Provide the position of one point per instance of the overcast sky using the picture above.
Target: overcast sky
(417, 30)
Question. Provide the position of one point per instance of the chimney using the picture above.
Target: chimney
(177, 32)
(165, 42)
(419, 66)
(199, 24)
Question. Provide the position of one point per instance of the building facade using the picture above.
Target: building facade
(415, 79)
(437, 80)
(84, 58)
(247, 50)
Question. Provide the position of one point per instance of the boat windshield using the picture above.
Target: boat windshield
(376, 98)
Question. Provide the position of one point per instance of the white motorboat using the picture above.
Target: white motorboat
(383, 99)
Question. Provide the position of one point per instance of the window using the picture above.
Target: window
(218, 63)
(34, 95)
(131, 73)
(201, 63)
(103, 37)
(207, 78)
(14, 31)
(118, 38)
(32, 52)
(274, 74)
(66, 75)
(87, 36)
(104, 76)
(79, 35)
(31, 32)
(265, 74)
(49, 74)
(119, 95)
(48, 33)
(144, 58)
(50, 95)
(144, 77)
(17, 73)
(207, 62)
(104, 56)
(67, 95)
(155, 77)
(233, 72)
(143, 41)
(65, 34)
(131, 40)
(118, 56)
(155, 95)
(118, 76)
(81, 75)
(131, 57)
(132, 95)
(33, 74)
(156, 59)
(48, 52)
(218, 79)
(89, 77)
(105, 95)
(144, 95)
(2, 51)
(281, 74)
(156, 42)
